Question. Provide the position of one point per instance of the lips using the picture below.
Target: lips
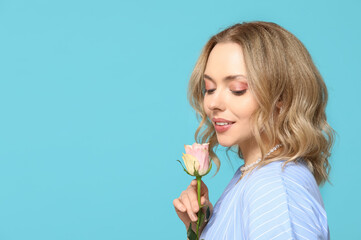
(222, 128)
(221, 120)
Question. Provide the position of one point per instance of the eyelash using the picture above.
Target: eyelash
(237, 93)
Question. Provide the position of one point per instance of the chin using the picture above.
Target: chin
(225, 143)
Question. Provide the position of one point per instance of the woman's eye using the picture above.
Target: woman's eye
(239, 93)
(210, 91)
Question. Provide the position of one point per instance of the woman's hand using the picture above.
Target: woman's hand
(186, 206)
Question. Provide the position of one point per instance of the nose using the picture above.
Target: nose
(215, 101)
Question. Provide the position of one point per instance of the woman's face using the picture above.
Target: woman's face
(227, 95)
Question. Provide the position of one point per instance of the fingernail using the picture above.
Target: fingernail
(194, 217)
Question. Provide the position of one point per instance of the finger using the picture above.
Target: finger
(193, 199)
(178, 205)
(206, 202)
(185, 200)
(204, 188)
(193, 184)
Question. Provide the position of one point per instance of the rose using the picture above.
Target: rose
(196, 159)
(197, 164)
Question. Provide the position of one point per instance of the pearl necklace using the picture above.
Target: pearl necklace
(245, 168)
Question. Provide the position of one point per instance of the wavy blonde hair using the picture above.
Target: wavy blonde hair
(279, 69)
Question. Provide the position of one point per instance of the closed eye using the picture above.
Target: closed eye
(239, 93)
(210, 91)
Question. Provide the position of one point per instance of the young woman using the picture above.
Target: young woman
(256, 88)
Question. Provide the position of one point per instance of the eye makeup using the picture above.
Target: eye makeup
(239, 93)
(236, 87)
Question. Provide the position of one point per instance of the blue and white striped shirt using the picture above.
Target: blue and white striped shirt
(270, 204)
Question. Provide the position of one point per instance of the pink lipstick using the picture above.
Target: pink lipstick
(221, 124)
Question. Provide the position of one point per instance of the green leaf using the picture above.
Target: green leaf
(208, 213)
(190, 233)
(201, 218)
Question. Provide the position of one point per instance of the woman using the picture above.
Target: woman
(255, 87)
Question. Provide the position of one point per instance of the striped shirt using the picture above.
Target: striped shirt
(270, 204)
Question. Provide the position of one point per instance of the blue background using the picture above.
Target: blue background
(94, 111)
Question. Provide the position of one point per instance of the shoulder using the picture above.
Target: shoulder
(294, 178)
(285, 200)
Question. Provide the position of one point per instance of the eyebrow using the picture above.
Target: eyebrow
(228, 78)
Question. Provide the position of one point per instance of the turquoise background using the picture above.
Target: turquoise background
(94, 111)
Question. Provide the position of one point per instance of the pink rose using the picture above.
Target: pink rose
(197, 164)
(196, 159)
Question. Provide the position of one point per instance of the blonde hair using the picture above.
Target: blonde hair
(279, 69)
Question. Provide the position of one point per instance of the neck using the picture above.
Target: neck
(251, 152)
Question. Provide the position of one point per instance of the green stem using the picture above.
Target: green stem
(199, 203)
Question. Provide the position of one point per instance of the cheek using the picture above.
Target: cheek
(244, 109)
(205, 107)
